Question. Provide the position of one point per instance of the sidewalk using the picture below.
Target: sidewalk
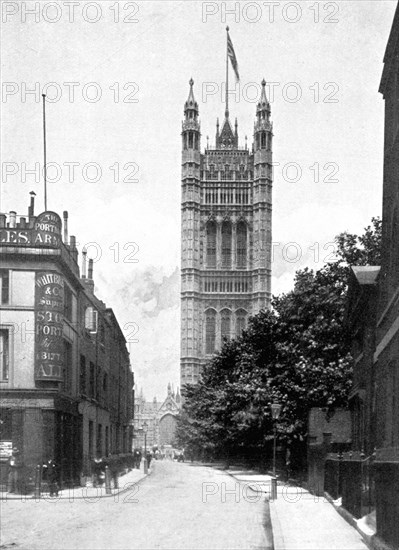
(300, 520)
(88, 493)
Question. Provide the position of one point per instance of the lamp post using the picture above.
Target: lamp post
(275, 408)
(144, 429)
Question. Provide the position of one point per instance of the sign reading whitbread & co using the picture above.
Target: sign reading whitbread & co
(45, 232)
(49, 307)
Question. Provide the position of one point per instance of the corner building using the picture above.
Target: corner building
(226, 233)
(65, 376)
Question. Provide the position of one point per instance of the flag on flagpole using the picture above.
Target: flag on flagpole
(231, 54)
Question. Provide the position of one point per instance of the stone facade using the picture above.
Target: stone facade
(160, 418)
(65, 377)
(226, 233)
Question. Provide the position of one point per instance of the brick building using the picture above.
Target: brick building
(374, 322)
(386, 354)
(65, 377)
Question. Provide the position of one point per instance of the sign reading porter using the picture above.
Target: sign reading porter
(49, 307)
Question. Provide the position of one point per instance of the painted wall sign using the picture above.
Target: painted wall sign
(46, 232)
(49, 307)
(5, 449)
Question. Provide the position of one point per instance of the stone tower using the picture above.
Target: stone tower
(226, 233)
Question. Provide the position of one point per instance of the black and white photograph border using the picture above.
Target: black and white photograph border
(217, 366)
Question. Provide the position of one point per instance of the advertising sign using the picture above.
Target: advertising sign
(49, 307)
(5, 449)
(46, 232)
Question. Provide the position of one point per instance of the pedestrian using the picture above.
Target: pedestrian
(149, 458)
(14, 471)
(50, 470)
(288, 463)
(98, 472)
(137, 459)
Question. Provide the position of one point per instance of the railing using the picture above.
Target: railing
(351, 476)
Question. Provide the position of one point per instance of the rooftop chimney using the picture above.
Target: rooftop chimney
(90, 273)
(65, 216)
(31, 209)
(84, 254)
(13, 219)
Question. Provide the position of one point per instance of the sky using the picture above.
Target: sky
(116, 78)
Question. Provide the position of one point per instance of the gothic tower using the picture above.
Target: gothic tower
(226, 233)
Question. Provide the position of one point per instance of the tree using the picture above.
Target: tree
(298, 354)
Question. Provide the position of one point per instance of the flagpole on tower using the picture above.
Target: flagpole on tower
(44, 153)
(227, 74)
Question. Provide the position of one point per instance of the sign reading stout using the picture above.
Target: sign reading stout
(46, 232)
(49, 307)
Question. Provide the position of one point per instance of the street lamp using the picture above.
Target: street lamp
(276, 409)
(145, 429)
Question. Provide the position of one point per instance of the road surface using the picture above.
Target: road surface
(179, 506)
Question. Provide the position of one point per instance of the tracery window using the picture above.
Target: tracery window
(211, 244)
(210, 331)
(225, 324)
(241, 244)
(241, 321)
(226, 244)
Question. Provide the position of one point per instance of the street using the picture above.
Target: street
(180, 505)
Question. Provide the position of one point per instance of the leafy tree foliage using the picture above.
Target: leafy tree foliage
(297, 354)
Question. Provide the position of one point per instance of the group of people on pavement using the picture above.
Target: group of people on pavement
(16, 480)
(138, 455)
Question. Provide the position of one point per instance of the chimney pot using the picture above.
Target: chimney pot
(84, 254)
(90, 273)
(13, 219)
(65, 216)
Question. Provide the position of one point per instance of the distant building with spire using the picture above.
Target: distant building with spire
(226, 233)
(160, 417)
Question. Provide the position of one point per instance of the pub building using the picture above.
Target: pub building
(66, 384)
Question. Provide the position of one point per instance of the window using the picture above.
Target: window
(226, 244)
(240, 322)
(225, 325)
(263, 140)
(241, 245)
(4, 355)
(210, 331)
(91, 433)
(105, 386)
(99, 439)
(4, 286)
(211, 244)
(67, 369)
(106, 440)
(67, 303)
(82, 374)
(91, 320)
(92, 380)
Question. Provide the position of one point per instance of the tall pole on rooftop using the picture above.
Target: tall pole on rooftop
(44, 152)
(227, 76)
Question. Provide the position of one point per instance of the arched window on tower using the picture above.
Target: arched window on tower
(226, 244)
(241, 245)
(225, 324)
(263, 140)
(241, 321)
(190, 140)
(210, 331)
(211, 244)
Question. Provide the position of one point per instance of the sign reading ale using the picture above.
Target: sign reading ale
(49, 307)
